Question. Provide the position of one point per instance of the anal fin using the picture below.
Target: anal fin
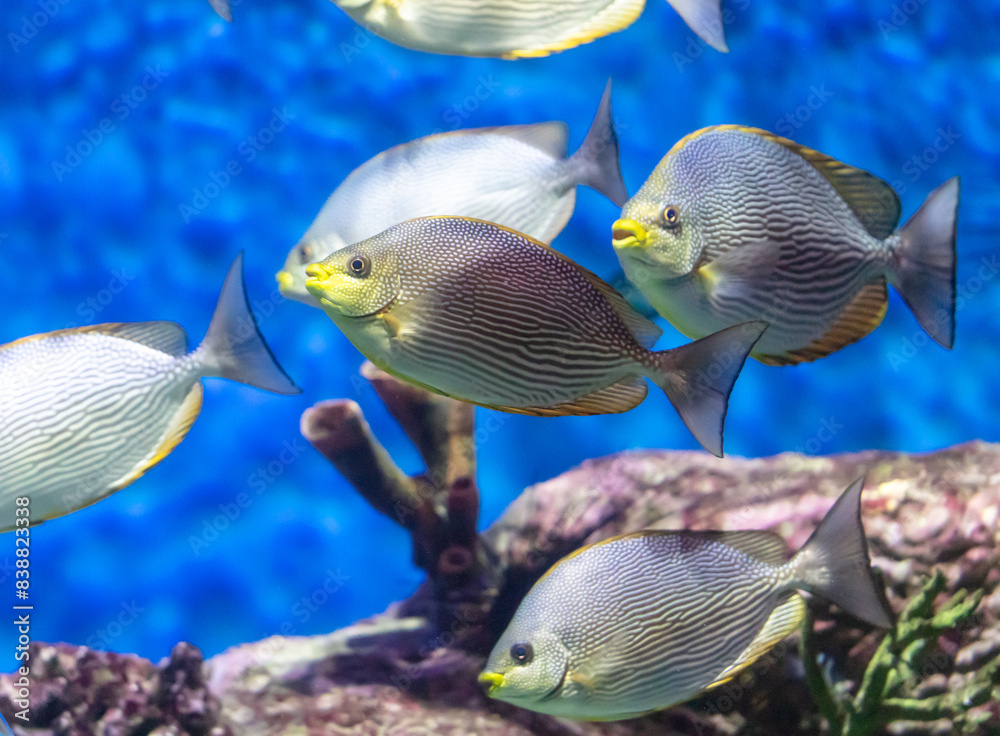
(783, 621)
(180, 425)
(861, 316)
(614, 399)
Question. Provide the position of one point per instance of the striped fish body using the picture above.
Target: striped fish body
(500, 28)
(656, 618)
(483, 314)
(518, 176)
(736, 223)
(83, 412)
(643, 621)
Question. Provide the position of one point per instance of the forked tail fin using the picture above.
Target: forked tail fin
(222, 8)
(704, 17)
(698, 378)
(234, 347)
(834, 562)
(596, 161)
(924, 262)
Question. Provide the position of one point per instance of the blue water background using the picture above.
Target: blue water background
(885, 85)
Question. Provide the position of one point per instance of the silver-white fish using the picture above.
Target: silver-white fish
(516, 28)
(516, 175)
(643, 621)
(86, 411)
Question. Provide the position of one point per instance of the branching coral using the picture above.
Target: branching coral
(440, 507)
(891, 688)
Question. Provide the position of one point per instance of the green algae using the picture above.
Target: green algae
(889, 690)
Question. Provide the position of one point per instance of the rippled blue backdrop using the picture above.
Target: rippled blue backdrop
(115, 116)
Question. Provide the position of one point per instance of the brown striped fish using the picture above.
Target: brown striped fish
(86, 411)
(481, 313)
(736, 223)
(643, 621)
(514, 29)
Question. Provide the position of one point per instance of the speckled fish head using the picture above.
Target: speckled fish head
(528, 664)
(662, 227)
(359, 280)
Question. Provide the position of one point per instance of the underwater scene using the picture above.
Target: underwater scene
(588, 367)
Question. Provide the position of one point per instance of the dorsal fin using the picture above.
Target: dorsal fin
(550, 138)
(167, 337)
(767, 547)
(783, 620)
(872, 200)
(861, 316)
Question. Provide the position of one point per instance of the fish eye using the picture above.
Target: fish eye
(305, 252)
(522, 653)
(359, 266)
(671, 215)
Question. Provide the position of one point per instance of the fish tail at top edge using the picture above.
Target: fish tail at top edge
(704, 17)
(234, 348)
(596, 161)
(835, 565)
(698, 378)
(222, 8)
(923, 262)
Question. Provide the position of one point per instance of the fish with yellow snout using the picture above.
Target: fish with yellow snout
(481, 313)
(736, 223)
(641, 622)
(86, 411)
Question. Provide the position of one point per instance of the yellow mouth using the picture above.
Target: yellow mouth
(493, 679)
(317, 277)
(628, 234)
(285, 280)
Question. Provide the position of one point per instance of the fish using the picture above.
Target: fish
(643, 621)
(222, 7)
(483, 314)
(515, 175)
(86, 411)
(736, 223)
(513, 29)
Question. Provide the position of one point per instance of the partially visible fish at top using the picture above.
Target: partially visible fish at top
(737, 223)
(86, 411)
(514, 29)
(222, 7)
(643, 621)
(483, 314)
(515, 175)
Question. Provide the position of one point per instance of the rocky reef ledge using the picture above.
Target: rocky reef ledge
(932, 521)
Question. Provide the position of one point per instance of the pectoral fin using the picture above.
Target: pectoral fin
(401, 320)
(741, 272)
